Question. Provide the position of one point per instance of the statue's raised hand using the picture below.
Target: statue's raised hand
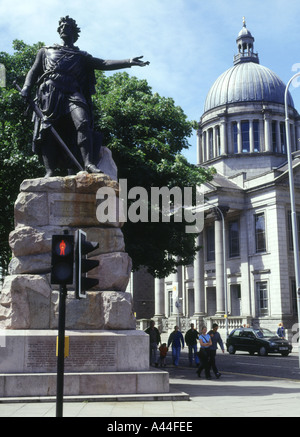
(137, 61)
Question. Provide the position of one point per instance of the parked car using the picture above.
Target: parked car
(262, 341)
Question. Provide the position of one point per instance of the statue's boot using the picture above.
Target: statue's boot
(91, 168)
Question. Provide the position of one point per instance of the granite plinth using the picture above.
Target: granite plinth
(32, 351)
(99, 363)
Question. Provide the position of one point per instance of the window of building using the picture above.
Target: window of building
(234, 238)
(256, 136)
(274, 137)
(235, 290)
(210, 144)
(260, 233)
(262, 298)
(245, 137)
(171, 304)
(218, 145)
(235, 137)
(282, 138)
(210, 243)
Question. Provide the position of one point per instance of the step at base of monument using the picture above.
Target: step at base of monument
(85, 384)
(142, 397)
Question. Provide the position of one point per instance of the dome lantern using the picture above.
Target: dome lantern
(245, 45)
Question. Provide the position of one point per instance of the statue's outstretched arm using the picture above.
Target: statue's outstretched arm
(101, 64)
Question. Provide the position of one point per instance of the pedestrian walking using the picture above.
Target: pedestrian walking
(191, 339)
(176, 340)
(281, 331)
(154, 341)
(204, 353)
(216, 340)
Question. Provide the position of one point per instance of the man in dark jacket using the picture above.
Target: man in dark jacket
(176, 340)
(191, 339)
(216, 339)
(154, 341)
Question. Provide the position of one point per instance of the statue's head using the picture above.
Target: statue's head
(71, 23)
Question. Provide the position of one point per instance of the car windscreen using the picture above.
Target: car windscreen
(264, 333)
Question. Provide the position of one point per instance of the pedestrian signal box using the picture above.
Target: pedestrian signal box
(62, 259)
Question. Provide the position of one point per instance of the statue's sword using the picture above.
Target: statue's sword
(61, 142)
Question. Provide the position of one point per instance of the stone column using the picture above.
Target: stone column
(204, 154)
(219, 262)
(199, 147)
(159, 297)
(199, 291)
(159, 302)
(223, 137)
(177, 312)
(268, 145)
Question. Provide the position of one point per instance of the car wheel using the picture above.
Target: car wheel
(231, 349)
(263, 352)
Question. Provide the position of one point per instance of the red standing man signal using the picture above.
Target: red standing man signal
(62, 248)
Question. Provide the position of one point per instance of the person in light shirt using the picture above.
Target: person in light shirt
(204, 353)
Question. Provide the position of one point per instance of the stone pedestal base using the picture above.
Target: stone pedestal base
(99, 363)
(84, 384)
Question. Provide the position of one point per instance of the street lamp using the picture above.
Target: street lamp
(292, 196)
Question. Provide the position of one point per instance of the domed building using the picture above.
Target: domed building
(249, 276)
(242, 135)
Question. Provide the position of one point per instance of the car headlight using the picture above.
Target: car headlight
(272, 343)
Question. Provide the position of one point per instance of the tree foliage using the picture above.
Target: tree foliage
(16, 160)
(146, 134)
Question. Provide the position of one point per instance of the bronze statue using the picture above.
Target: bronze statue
(65, 80)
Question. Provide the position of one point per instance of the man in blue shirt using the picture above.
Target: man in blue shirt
(215, 339)
(176, 339)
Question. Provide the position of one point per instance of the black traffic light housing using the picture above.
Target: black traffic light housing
(84, 265)
(62, 259)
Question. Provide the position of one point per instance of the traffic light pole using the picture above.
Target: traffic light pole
(61, 351)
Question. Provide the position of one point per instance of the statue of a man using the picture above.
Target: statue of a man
(65, 80)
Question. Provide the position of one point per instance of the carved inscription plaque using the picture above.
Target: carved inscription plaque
(86, 354)
(96, 355)
(41, 354)
(72, 209)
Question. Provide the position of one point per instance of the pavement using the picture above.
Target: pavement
(233, 395)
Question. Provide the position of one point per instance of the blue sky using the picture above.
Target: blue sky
(188, 42)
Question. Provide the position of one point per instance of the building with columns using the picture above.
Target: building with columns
(248, 276)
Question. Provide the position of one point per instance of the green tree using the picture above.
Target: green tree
(16, 160)
(146, 133)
